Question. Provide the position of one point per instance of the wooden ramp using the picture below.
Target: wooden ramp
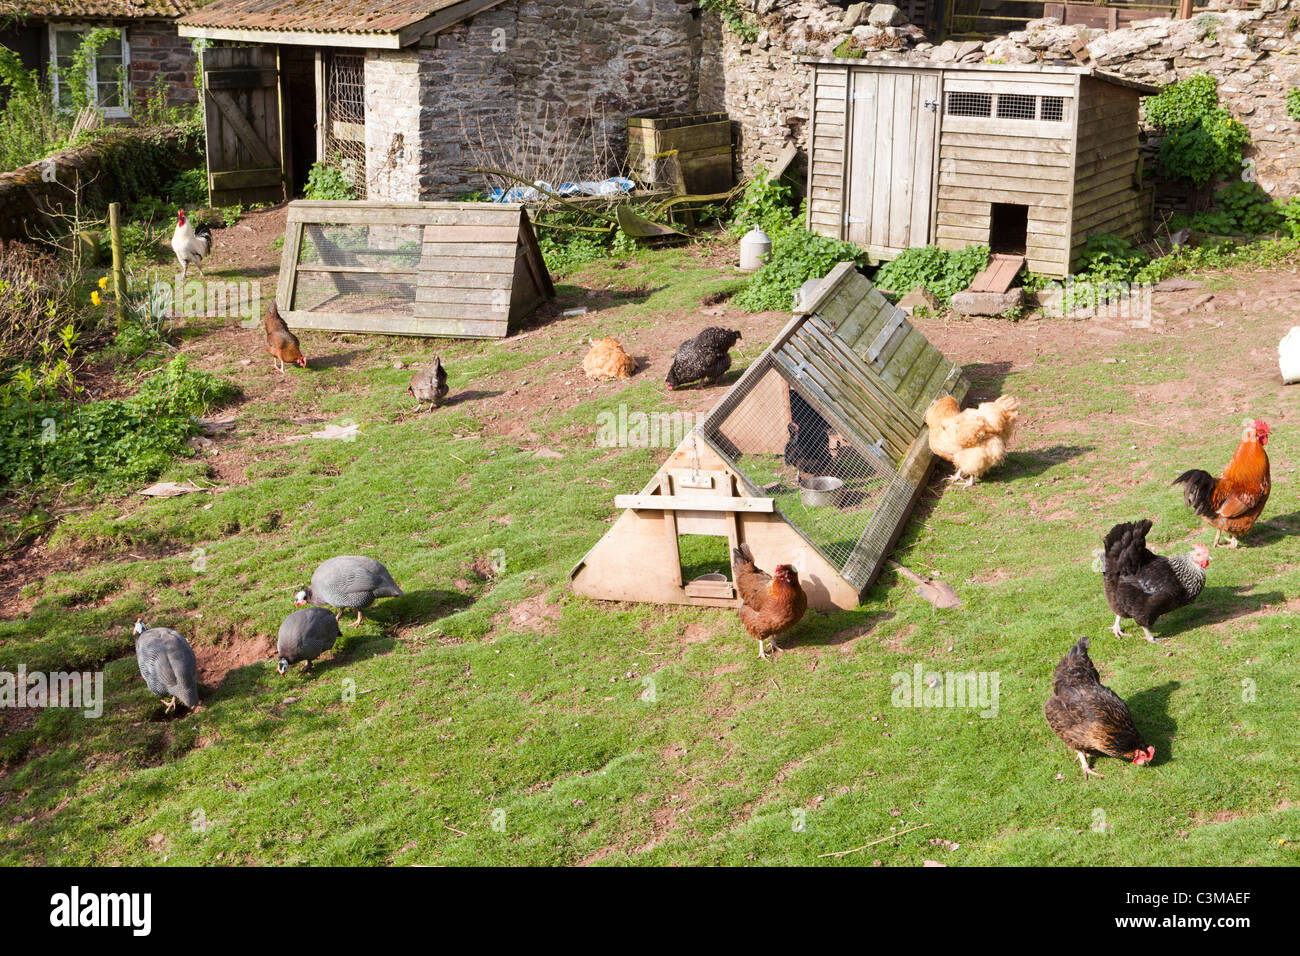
(840, 396)
(999, 275)
(463, 270)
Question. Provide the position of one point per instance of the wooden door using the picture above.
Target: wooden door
(890, 158)
(241, 114)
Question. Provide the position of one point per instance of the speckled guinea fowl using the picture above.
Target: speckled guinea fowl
(305, 635)
(349, 582)
(167, 664)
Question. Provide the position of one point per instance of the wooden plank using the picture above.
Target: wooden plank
(992, 126)
(471, 250)
(393, 325)
(465, 280)
(968, 184)
(1037, 177)
(244, 178)
(454, 295)
(358, 269)
(243, 130)
(877, 226)
(472, 232)
(998, 275)
(990, 153)
(999, 139)
(695, 503)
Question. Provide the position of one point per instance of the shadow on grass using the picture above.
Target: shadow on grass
(1272, 529)
(834, 628)
(986, 380)
(334, 360)
(1150, 710)
(1216, 604)
(1029, 464)
(470, 395)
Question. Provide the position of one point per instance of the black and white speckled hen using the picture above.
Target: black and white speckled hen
(167, 664)
(705, 357)
(305, 635)
(1090, 717)
(349, 582)
(1143, 585)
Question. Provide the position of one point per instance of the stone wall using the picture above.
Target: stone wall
(157, 49)
(563, 74)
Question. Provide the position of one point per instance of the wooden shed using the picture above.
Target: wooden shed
(841, 394)
(1028, 160)
(458, 269)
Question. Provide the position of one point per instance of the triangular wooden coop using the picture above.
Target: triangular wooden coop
(841, 394)
(458, 269)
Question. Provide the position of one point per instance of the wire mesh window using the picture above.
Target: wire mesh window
(366, 270)
(345, 117)
(1053, 109)
(970, 104)
(1016, 106)
(824, 485)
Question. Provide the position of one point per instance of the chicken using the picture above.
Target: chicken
(191, 244)
(280, 342)
(974, 440)
(1090, 717)
(1233, 501)
(771, 604)
(429, 385)
(1143, 585)
(808, 449)
(606, 360)
(704, 357)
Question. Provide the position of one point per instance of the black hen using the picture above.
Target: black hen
(809, 447)
(1089, 716)
(1143, 585)
(703, 357)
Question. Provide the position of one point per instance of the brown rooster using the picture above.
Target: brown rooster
(280, 342)
(1090, 717)
(771, 604)
(1234, 500)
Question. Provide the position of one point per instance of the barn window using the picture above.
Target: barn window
(106, 74)
(1016, 106)
(1053, 109)
(970, 104)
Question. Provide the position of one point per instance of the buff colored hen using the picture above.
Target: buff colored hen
(607, 360)
(974, 440)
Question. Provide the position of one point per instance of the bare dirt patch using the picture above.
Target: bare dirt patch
(535, 614)
(215, 661)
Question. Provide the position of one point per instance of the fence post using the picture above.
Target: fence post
(119, 277)
(1184, 9)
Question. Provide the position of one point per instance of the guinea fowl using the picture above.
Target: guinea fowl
(349, 582)
(280, 342)
(167, 664)
(429, 385)
(1143, 585)
(305, 635)
(1090, 717)
(705, 357)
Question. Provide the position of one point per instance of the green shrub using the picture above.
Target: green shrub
(1293, 103)
(797, 256)
(190, 188)
(765, 204)
(112, 442)
(1182, 103)
(565, 255)
(1249, 208)
(328, 181)
(940, 271)
(734, 16)
(1107, 258)
(1289, 212)
(1202, 139)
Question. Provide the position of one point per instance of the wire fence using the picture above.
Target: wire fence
(345, 117)
(364, 269)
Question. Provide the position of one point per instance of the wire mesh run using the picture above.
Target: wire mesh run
(826, 486)
(345, 117)
(1016, 106)
(363, 269)
(970, 104)
(1052, 109)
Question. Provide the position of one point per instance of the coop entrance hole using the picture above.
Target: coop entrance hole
(1009, 229)
(703, 554)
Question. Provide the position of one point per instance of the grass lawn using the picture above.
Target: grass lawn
(491, 716)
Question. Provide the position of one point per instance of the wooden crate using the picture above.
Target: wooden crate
(462, 270)
(702, 142)
(858, 364)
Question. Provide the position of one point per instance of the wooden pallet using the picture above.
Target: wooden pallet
(999, 275)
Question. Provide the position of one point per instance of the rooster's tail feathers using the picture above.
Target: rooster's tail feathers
(1198, 489)
(1124, 545)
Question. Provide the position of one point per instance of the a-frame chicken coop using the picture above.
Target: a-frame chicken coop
(815, 458)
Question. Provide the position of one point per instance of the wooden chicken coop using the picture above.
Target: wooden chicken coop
(458, 269)
(815, 458)
(1028, 160)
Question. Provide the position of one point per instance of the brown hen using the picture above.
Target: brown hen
(280, 342)
(771, 603)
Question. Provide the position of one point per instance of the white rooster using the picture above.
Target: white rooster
(190, 245)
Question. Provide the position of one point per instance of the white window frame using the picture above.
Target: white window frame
(111, 112)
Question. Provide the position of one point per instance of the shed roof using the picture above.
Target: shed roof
(1058, 67)
(97, 9)
(385, 24)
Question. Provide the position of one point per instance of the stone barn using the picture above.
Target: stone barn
(1028, 160)
(395, 91)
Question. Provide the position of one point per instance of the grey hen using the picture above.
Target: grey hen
(349, 582)
(429, 385)
(703, 357)
(304, 636)
(167, 664)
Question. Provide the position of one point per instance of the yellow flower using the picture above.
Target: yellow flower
(103, 282)
(94, 297)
